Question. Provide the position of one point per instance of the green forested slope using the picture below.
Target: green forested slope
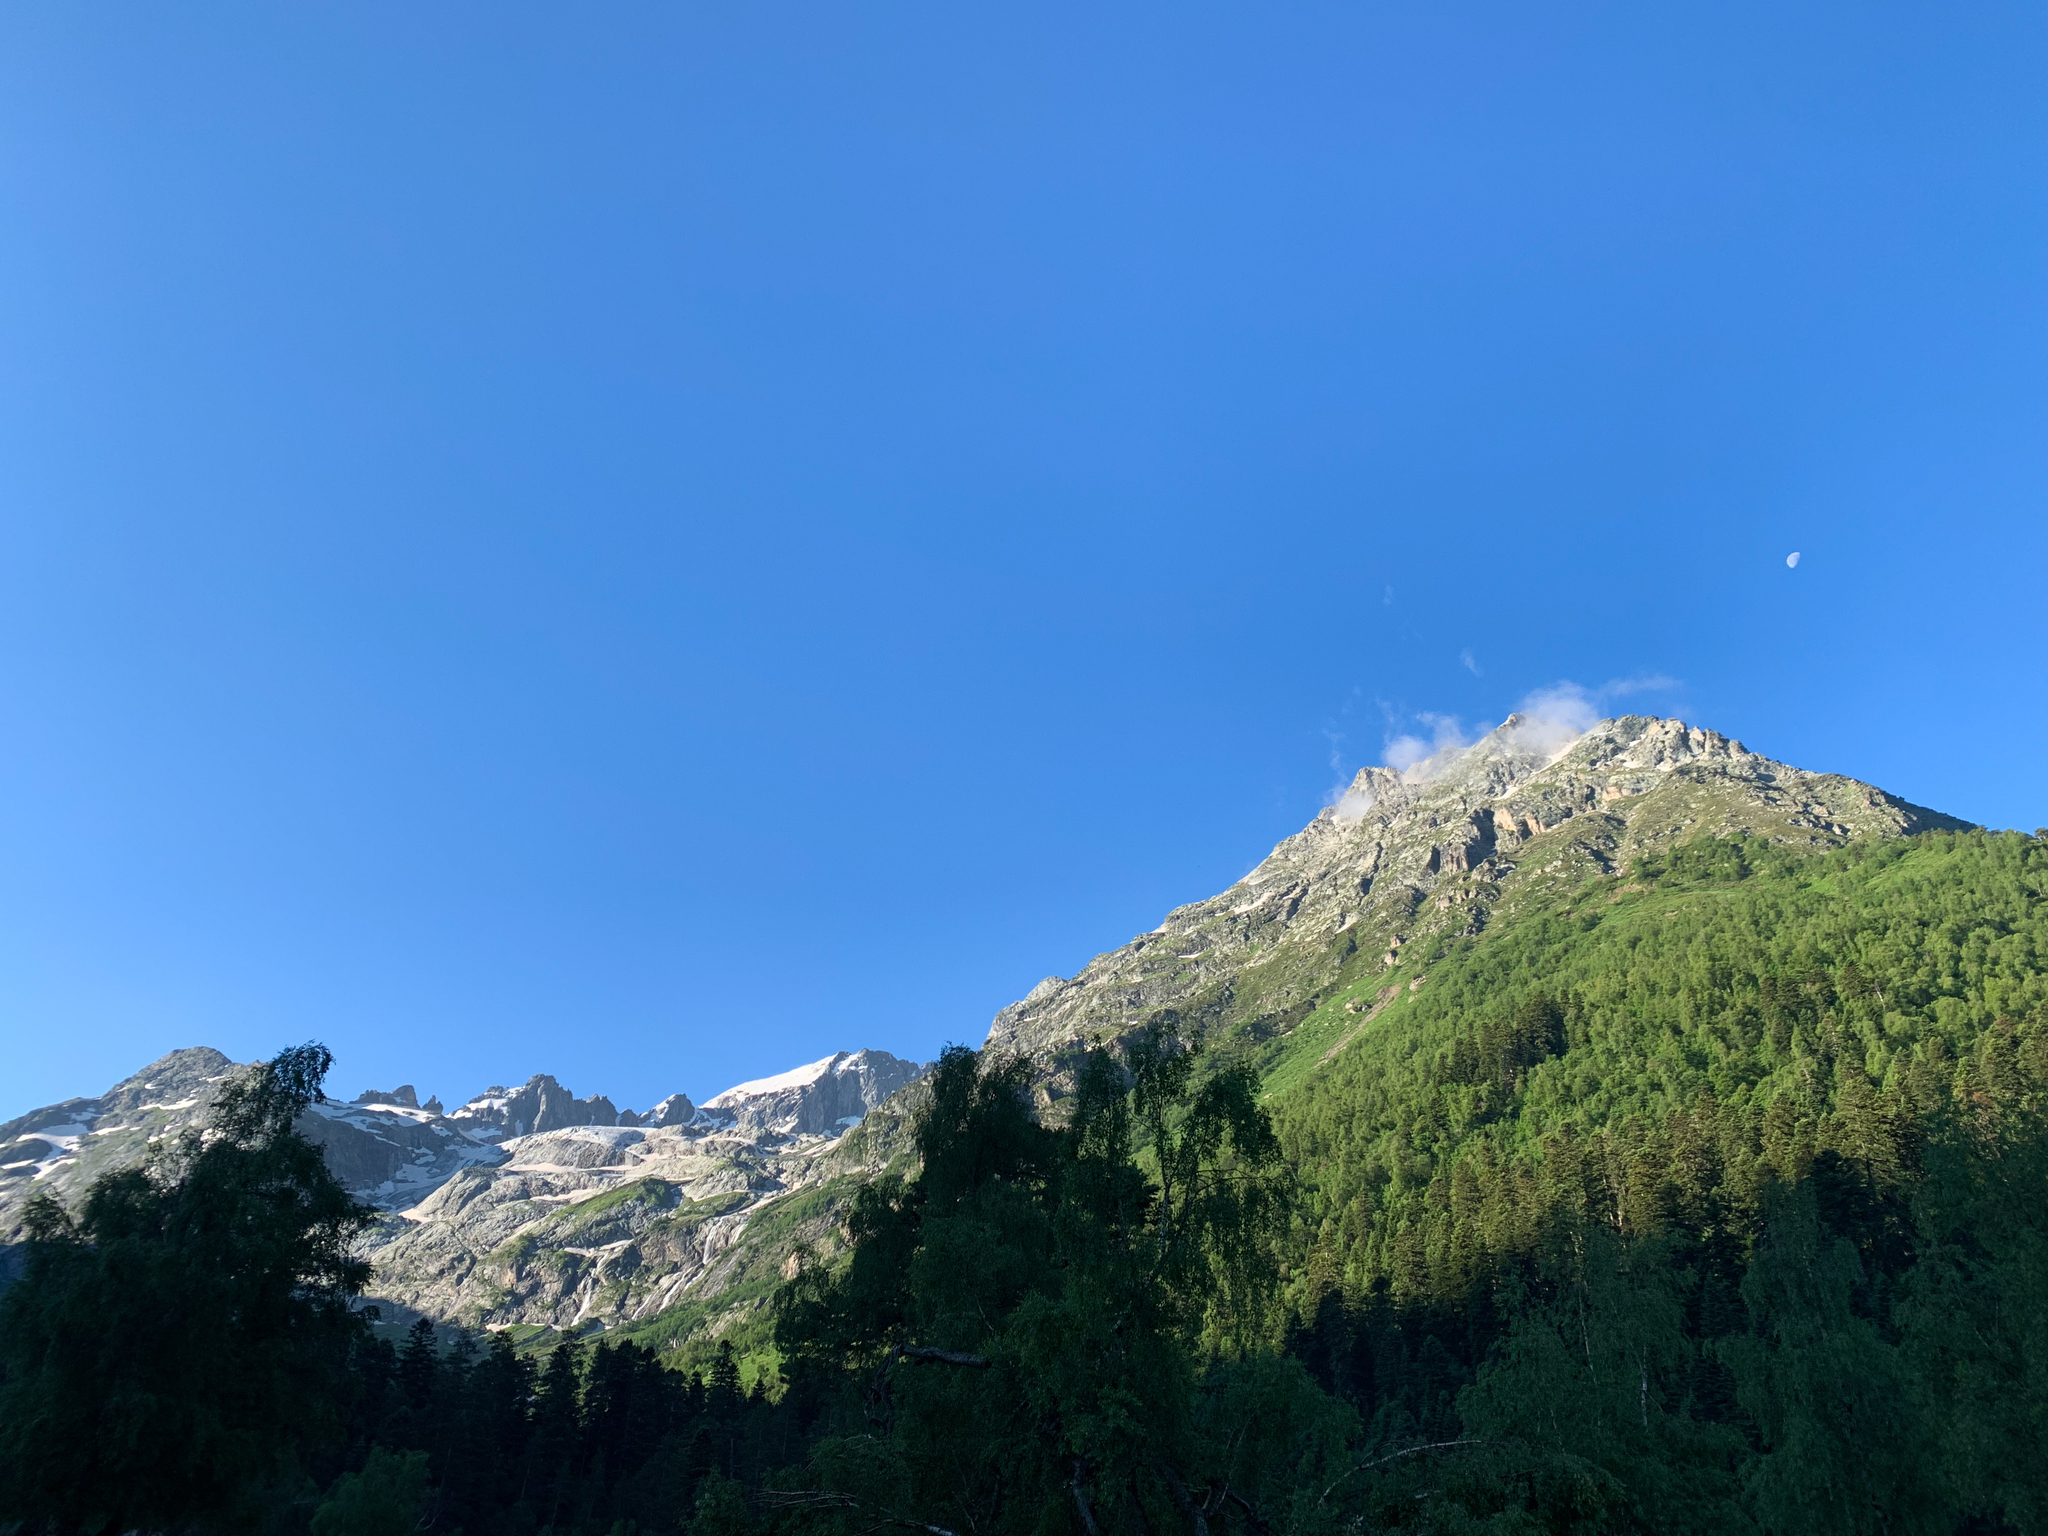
(1678, 1034)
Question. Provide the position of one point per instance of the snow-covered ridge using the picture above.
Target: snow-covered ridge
(822, 1098)
(796, 1077)
(394, 1152)
(490, 1211)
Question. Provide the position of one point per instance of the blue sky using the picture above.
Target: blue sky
(651, 543)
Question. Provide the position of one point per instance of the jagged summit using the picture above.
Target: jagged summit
(542, 1104)
(1522, 746)
(1435, 849)
(524, 1204)
(60, 1146)
(821, 1098)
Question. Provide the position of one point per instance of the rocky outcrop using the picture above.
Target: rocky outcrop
(499, 1114)
(390, 1154)
(611, 1221)
(820, 1099)
(62, 1148)
(676, 1109)
(404, 1096)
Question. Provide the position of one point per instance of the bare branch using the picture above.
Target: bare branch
(1434, 1445)
(1258, 1521)
(1081, 1500)
(1181, 1501)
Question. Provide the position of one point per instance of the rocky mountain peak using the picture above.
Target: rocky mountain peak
(543, 1104)
(676, 1109)
(1433, 848)
(821, 1098)
(513, 1170)
(176, 1080)
(60, 1146)
(404, 1095)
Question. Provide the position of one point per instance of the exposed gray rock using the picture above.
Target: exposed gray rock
(820, 1099)
(392, 1155)
(676, 1109)
(61, 1148)
(499, 1114)
(614, 1222)
(527, 1205)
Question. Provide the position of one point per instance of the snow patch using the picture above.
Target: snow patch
(798, 1077)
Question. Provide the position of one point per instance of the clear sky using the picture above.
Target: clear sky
(654, 542)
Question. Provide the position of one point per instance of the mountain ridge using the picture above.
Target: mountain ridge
(398, 1155)
(532, 1207)
(1416, 855)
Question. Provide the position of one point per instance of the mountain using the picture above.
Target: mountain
(822, 1098)
(1403, 861)
(522, 1206)
(612, 1220)
(1370, 967)
(61, 1148)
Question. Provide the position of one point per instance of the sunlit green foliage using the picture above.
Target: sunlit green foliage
(1661, 1047)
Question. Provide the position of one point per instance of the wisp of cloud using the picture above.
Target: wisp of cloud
(1547, 722)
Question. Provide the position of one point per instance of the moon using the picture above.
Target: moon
(1792, 559)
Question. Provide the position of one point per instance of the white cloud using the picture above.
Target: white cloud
(1353, 804)
(1792, 559)
(1555, 717)
(1470, 665)
(1418, 760)
(1404, 752)
(1422, 746)
(1551, 719)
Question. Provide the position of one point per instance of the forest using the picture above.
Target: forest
(1713, 1198)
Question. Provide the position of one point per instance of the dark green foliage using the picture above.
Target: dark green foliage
(1661, 1049)
(173, 1346)
(1020, 1332)
(383, 1499)
(1746, 1154)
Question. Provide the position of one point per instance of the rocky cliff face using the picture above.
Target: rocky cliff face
(821, 1099)
(500, 1114)
(61, 1149)
(393, 1155)
(611, 1222)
